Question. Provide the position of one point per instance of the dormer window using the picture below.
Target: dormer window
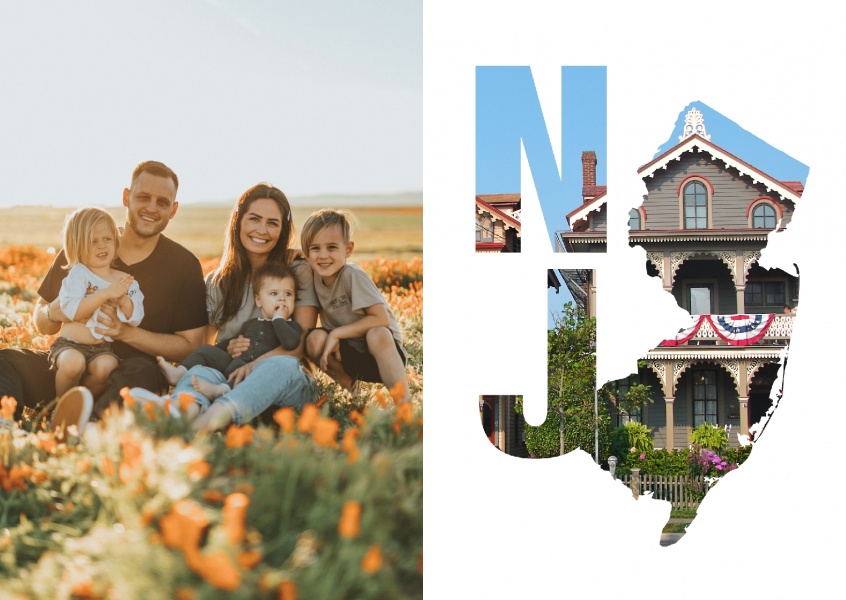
(763, 217)
(484, 229)
(695, 206)
(634, 219)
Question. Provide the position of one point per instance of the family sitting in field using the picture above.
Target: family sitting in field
(132, 310)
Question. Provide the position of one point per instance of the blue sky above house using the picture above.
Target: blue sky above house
(730, 136)
(508, 110)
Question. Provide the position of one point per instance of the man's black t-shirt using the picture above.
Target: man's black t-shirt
(171, 280)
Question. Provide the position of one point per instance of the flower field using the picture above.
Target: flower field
(320, 503)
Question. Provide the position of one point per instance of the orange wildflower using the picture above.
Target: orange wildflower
(185, 593)
(352, 455)
(38, 477)
(131, 462)
(198, 469)
(380, 398)
(237, 437)
(248, 559)
(46, 441)
(325, 432)
(108, 467)
(128, 399)
(184, 401)
(7, 407)
(219, 571)
(287, 590)
(348, 441)
(213, 496)
(234, 512)
(183, 526)
(397, 391)
(357, 418)
(147, 516)
(83, 464)
(245, 488)
(84, 589)
(372, 560)
(284, 417)
(405, 412)
(307, 419)
(150, 409)
(350, 522)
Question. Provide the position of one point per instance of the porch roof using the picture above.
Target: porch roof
(715, 353)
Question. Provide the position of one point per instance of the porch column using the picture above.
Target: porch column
(740, 282)
(741, 299)
(667, 281)
(502, 406)
(668, 405)
(744, 414)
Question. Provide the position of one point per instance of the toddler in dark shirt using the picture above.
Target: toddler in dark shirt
(275, 293)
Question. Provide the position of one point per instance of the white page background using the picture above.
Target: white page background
(501, 527)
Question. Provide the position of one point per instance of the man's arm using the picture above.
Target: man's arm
(174, 347)
(48, 316)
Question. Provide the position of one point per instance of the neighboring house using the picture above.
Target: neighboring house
(498, 223)
(703, 223)
(503, 426)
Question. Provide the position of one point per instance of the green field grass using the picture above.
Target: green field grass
(392, 232)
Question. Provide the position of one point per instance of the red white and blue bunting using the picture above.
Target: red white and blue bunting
(685, 333)
(740, 330)
(736, 330)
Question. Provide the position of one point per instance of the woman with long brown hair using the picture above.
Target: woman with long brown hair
(260, 229)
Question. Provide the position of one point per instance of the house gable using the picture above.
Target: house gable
(729, 193)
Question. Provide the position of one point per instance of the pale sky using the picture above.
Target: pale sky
(314, 97)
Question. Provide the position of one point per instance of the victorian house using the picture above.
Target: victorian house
(703, 223)
(498, 223)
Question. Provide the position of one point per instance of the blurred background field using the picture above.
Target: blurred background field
(383, 231)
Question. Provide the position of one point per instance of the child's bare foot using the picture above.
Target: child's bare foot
(172, 373)
(210, 390)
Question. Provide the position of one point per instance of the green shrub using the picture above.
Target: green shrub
(709, 436)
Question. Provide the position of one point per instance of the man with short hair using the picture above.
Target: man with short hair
(175, 320)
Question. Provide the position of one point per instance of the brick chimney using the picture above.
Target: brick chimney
(588, 172)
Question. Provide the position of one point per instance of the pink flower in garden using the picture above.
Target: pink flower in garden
(643, 457)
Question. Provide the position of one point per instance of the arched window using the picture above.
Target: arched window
(634, 219)
(763, 217)
(695, 206)
(484, 229)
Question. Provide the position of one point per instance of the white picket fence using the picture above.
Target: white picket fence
(672, 489)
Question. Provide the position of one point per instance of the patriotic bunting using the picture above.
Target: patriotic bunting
(737, 330)
(740, 330)
(685, 333)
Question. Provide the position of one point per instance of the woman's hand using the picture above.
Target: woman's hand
(241, 372)
(237, 346)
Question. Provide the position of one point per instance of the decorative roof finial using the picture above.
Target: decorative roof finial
(694, 122)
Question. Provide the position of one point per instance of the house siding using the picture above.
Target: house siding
(731, 197)
(599, 219)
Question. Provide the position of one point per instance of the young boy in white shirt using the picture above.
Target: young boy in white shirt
(359, 338)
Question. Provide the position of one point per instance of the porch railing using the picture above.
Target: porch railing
(778, 333)
(677, 490)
